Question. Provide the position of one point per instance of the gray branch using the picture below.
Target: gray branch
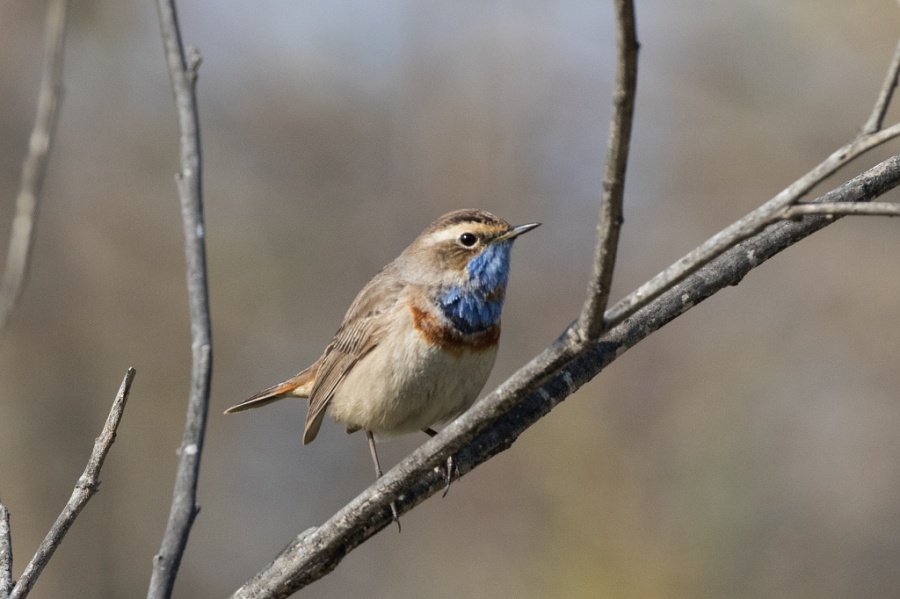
(751, 224)
(183, 77)
(610, 219)
(872, 209)
(6, 556)
(876, 119)
(495, 422)
(21, 239)
(85, 488)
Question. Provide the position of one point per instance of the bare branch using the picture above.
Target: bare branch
(876, 119)
(746, 227)
(34, 168)
(85, 488)
(183, 76)
(610, 219)
(6, 556)
(872, 209)
(495, 422)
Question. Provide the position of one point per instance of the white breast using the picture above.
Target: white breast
(406, 384)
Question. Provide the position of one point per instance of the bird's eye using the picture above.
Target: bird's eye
(468, 239)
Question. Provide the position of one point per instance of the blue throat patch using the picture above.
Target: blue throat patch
(476, 305)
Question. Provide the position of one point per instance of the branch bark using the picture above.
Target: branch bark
(871, 136)
(6, 556)
(183, 77)
(610, 219)
(764, 216)
(21, 239)
(495, 422)
(876, 119)
(873, 209)
(85, 488)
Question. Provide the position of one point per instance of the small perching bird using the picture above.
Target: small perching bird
(419, 341)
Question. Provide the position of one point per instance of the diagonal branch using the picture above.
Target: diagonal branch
(610, 220)
(87, 486)
(871, 209)
(751, 224)
(871, 136)
(183, 76)
(34, 168)
(495, 422)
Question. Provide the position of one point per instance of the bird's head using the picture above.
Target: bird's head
(464, 257)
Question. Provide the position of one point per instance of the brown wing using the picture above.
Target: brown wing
(359, 334)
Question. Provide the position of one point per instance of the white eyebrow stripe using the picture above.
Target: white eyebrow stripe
(453, 233)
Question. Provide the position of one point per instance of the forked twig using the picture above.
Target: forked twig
(871, 136)
(769, 213)
(610, 219)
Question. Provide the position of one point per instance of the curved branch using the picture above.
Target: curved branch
(610, 219)
(183, 76)
(34, 168)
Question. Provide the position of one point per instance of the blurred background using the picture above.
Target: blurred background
(749, 449)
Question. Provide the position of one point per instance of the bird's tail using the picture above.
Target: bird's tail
(299, 385)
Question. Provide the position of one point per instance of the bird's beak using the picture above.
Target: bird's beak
(516, 231)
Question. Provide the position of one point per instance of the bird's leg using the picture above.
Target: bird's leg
(378, 474)
(449, 469)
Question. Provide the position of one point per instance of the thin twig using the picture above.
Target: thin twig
(610, 219)
(495, 422)
(876, 119)
(872, 209)
(183, 77)
(772, 211)
(6, 555)
(746, 227)
(87, 486)
(34, 168)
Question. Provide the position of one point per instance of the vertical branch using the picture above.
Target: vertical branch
(183, 76)
(34, 168)
(85, 488)
(6, 556)
(591, 322)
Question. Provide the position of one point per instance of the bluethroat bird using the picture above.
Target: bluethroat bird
(419, 341)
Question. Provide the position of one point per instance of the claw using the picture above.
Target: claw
(449, 469)
(396, 516)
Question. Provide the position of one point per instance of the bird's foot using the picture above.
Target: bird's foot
(396, 515)
(450, 470)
